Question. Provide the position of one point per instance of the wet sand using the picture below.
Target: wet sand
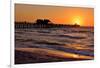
(40, 55)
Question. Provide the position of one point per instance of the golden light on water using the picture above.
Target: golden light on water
(54, 53)
(75, 56)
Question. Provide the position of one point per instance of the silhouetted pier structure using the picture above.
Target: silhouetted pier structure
(42, 23)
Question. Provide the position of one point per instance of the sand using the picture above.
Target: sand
(40, 55)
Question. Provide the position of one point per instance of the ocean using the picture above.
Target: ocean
(72, 40)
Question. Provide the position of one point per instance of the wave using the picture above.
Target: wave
(78, 42)
(38, 55)
(73, 37)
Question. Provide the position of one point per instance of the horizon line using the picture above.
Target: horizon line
(53, 23)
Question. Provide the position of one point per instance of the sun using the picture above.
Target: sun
(77, 20)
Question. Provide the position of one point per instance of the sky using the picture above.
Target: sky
(56, 14)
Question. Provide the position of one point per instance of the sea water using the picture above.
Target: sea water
(78, 40)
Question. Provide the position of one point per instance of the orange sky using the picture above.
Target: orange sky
(58, 15)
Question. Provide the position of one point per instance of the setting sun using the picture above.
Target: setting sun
(77, 20)
(57, 15)
(45, 33)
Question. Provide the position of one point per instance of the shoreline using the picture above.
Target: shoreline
(40, 55)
